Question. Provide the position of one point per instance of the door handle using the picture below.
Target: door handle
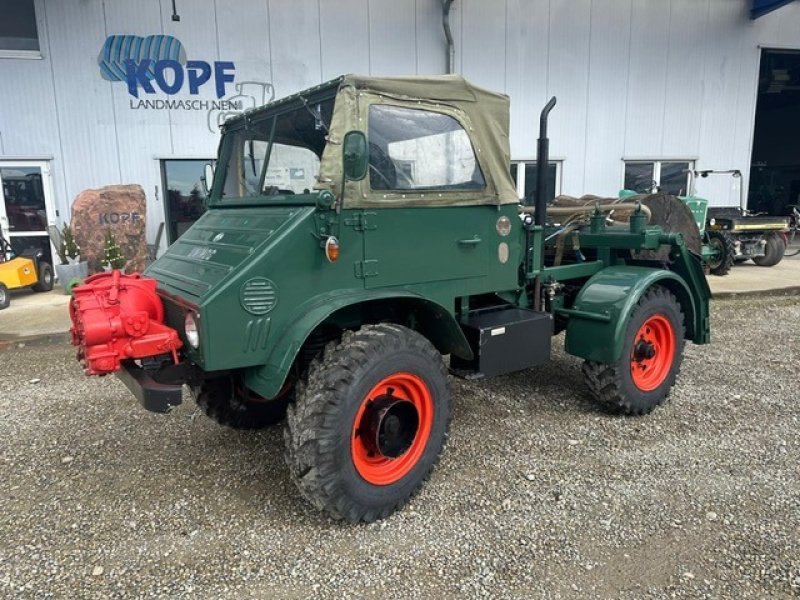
(473, 241)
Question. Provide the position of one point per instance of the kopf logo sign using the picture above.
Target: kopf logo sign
(159, 61)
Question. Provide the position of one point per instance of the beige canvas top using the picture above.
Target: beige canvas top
(483, 114)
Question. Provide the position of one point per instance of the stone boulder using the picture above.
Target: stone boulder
(118, 208)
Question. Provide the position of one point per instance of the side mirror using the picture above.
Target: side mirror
(356, 157)
(208, 178)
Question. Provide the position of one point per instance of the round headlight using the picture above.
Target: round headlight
(191, 330)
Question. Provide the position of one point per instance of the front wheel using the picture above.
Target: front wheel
(369, 424)
(229, 403)
(642, 377)
(721, 243)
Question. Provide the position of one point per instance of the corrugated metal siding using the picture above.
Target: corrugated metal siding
(141, 134)
(635, 78)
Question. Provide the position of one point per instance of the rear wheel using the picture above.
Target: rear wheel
(773, 251)
(45, 283)
(651, 356)
(724, 249)
(370, 422)
(229, 403)
(5, 299)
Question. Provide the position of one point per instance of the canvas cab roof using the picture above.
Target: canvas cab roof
(482, 113)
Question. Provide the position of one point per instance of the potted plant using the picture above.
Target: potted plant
(113, 257)
(71, 267)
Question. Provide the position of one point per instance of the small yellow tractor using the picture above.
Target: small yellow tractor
(22, 271)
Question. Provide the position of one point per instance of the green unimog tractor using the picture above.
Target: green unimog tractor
(359, 233)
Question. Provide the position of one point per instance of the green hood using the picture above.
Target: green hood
(217, 248)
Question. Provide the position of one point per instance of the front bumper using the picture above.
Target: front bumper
(154, 396)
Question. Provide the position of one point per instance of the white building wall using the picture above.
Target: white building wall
(634, 78)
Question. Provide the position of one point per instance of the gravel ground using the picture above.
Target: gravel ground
(538, 494)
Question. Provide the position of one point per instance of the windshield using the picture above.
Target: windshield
(279, 154)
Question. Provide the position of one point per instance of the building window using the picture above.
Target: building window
(524, 174)
(413, 149)
(667, 176)
(19, 36)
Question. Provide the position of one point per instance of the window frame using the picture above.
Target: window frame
(531, 163)
(27, 54)
(657, 162)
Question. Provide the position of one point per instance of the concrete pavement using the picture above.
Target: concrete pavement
(46, 315)
(750, 279)
(33, 315)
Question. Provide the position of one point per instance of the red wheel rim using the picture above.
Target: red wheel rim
(652, 353)
(412, 396)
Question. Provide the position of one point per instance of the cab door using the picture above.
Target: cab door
(431, 221)
(406, 246)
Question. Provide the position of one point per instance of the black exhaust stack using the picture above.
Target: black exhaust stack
(540, 214)
(542, 159)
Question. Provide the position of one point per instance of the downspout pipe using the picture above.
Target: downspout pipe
(450, 56)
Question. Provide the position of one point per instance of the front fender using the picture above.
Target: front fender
(600, 313)
(435, 322)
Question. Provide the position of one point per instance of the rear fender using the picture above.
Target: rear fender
(430, 318)
(609, 299)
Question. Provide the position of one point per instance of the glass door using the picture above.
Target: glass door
(184, 194)
(26, 207)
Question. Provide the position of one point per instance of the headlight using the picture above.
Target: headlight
(191, 330)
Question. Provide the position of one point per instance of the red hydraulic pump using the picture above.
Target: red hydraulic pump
(117, 317)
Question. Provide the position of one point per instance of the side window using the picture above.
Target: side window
(670, 177)
(411, 149)
(525, 176)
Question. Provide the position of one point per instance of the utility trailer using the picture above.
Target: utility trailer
(357, 233)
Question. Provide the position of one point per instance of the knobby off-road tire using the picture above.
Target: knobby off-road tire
(723, 243)
(369, 422)
(232, 406)
(651, 357)
(773, 251)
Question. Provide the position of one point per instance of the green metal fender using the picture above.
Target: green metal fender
(600, 313)
(432, 320)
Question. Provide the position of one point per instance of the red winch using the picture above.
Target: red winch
(116, 317)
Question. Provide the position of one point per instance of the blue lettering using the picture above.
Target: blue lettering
(199, 72)
(161, 80)
(222, 77)
(137, 75)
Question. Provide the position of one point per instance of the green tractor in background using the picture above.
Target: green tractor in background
(731, 235)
